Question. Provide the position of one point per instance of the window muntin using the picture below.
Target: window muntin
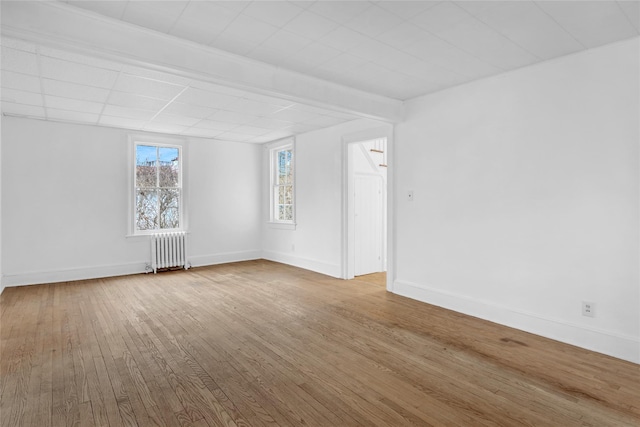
(283, 184)
(158, 187)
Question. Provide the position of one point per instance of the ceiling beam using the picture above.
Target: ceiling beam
(59, 25)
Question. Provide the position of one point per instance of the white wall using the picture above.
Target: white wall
(526, 199)
(1, 280)
(316, 243)
(65, 202)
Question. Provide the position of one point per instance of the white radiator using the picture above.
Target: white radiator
(168, 250)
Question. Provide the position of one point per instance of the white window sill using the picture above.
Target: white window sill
(282, 225)
(151, 233)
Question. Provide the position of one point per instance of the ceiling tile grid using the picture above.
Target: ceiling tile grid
(397, 49)
(37, 82)
(474, 38)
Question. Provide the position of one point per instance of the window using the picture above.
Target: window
(282, 184)
(158, 187)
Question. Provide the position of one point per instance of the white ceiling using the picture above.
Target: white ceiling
(396, 49)
(52, 84)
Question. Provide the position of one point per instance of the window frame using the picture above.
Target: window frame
(135, 141)
(274, 149)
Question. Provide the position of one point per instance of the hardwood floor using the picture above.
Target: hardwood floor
(259, 343)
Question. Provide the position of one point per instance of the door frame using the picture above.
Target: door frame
(348, 185)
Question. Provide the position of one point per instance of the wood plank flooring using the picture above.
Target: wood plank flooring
(264, 344)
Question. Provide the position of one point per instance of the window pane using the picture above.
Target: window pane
(169, 208)
(288, 194)
(146, 157)
(281, 195)
(169, 166)
(288, 213)
(146, 209)
(280, 212)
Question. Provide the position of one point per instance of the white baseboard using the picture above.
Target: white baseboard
(332, 270)
(223, 258)
(71, 274)
(610, 343)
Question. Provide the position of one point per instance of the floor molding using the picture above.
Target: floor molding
(605, 342)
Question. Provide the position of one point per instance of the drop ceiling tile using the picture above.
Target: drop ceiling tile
(114, 9)
(19, 81)
(342, 63)
(218, 89)
(272, 124)
(233, 117)
(372, 50)
(251, 130)
(292, 115)
(173, 119)
(487, 44)
(252, 107)
(531, 28)
(311, 25)
(444, 54)
(632, 10)
(17, 44)
(61, 103)
(286, 41)
(406, 9)
(72, 90)
(475, 7)
(249, 29)
(202, 21)
(127, 113)
(323, 121)
(234, 5)
(72, 116)
(403, 35)
(268, 99)
(344, 39)
(204, 98)
(22, 110)
(187, 110)
(276, 13)
(316, 53)
(19, 61)
(215, 125)
(21, 97)
(131, 100)
(593, 23)
(158, 15)
(440, 17)
(73, 72)
(147, 87)
(123, 122)
(339, 11)
(374, 21)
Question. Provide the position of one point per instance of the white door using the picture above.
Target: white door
(368, 225)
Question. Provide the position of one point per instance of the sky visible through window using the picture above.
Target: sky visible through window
(148, 153)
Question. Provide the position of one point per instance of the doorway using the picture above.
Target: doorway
(367, 172)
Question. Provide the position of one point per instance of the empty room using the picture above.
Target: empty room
(320, 213)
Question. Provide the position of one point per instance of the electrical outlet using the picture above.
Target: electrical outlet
(410, 195)
(588, 309)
